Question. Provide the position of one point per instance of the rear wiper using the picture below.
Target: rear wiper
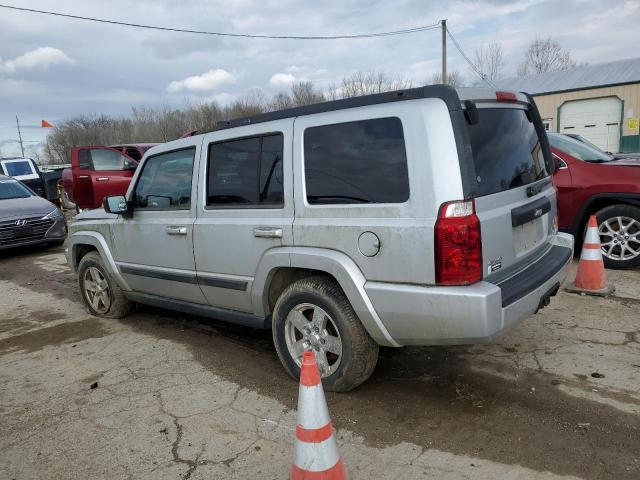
(320, 198)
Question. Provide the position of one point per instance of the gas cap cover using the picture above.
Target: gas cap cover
(369, 244)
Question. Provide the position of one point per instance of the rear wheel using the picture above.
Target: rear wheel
(313, 314)
(100, 293)
(619, 229)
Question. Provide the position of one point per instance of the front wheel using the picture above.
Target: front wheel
(619, 229)
(100, 293)
(313, 314)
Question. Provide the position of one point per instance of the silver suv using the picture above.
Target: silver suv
(419, 217)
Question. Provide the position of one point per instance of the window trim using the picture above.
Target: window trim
(353, 205)
(563, 164)
(144, 165)
(252, 206)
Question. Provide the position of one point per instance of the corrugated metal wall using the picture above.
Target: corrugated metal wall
(630, 94)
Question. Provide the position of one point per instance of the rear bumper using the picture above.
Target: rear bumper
(416, 315)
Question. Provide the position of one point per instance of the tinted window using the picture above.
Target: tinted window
(506, 150)
(246, 172)
(16, 169)
(356, 162)
(165, 182)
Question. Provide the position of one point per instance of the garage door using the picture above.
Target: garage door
(598, 120)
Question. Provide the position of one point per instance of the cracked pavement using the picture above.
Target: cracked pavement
(178, 397)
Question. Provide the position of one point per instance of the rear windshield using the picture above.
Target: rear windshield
(16, 169)
(506, 151)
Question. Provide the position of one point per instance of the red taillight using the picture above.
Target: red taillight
(506, 97)
(458, 244)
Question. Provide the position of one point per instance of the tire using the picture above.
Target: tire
(359, 352)
(609, 218)
(118, 306)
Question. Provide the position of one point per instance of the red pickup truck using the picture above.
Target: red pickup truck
(98, 172)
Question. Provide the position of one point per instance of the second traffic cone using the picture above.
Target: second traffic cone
(591, 279)
(316, 449)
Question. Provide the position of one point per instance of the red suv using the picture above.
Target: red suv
(590, 181)
(98, 172)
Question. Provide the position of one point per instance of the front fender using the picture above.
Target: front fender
(96, 240)
(336, 264)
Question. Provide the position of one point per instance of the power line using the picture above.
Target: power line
(473, 66)
(227, 34)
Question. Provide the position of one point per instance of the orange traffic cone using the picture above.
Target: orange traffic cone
(316, 449)
(590, 279)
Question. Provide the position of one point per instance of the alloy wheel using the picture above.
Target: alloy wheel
(309, 328)
(96, 290)
(620, 238)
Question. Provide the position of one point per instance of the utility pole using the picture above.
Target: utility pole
(444, 50)
(20, 136)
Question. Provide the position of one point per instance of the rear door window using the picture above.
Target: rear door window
(506, 150)
(356, 162)
(246, 172)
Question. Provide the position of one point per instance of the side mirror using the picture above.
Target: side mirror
(130, 165)
(116, 204)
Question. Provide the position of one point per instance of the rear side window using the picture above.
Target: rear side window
(356, 162)
(506, 150)
(19, 168)
(246, 172)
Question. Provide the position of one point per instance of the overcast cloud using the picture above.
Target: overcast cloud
(53, 68)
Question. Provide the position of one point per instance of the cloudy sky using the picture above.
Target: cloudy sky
(53, 68)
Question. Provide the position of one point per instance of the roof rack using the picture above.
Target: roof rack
(444, 92)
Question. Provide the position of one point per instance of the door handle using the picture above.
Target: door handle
(83, 176)
(176, 230)
(267, 232)
(102, 179)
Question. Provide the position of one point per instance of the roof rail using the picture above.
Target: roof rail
(444, 92)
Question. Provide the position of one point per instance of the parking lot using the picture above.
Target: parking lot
(177, 397)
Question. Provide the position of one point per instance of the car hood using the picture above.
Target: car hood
(94, 214)
(24, 207)
(627, 162)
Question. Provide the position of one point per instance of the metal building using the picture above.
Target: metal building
(600, 102)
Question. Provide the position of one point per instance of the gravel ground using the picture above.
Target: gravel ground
(558, 396)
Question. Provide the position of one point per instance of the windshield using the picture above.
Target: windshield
(577, 149)
(506, 150)
(13, 189)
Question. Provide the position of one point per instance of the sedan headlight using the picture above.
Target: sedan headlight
(55, 213)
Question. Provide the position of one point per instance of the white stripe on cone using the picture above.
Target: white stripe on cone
(592, 235)
(312, 407)
(317, 457)
(591, 254)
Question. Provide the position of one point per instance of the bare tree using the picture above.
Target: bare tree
(545, 55)
(454, 78)
(490, 61)
(361, 83)
(164, 123)
(301, 94)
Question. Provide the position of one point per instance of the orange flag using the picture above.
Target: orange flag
(46, 124)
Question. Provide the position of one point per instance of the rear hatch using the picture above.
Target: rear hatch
(514, 197)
